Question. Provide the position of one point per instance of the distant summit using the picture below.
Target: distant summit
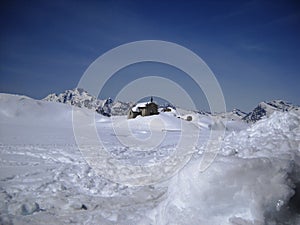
(235, 114)
(267, 108)
(76, 97)
(80, 98)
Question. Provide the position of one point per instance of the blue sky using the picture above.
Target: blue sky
(252, 47)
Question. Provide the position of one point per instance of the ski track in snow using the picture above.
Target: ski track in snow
(61, 184)
(44, 179)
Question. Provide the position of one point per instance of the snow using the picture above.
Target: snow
(230, 189)
(139, 105)
(80, 98)
(276, 135)
(44, 178)
(253, 187)
(265, 109)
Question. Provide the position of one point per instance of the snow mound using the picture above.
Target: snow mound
(278, 134)
(24, 120)
(231, 190)
(256, 181)
(20, 109)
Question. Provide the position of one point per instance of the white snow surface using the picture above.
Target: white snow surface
(255, 179)
(139, 105)
(251, 182)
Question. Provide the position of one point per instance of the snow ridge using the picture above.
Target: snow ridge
(267, 108)
(234, 115)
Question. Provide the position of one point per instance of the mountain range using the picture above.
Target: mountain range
(80, 98)
(267, 108)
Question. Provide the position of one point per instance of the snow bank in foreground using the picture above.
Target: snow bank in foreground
(230, 190)
(277, 135)
(254, 188)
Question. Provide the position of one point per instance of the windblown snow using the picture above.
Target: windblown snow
(44, 177)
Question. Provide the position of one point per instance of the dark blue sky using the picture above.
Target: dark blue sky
(252, 47)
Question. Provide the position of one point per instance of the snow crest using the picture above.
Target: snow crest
(254, 181)
(278, 135)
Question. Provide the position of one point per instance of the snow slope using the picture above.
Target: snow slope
(255, 180)
(44, 177)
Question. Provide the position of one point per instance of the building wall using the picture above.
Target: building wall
(132, 115)
(152, 109)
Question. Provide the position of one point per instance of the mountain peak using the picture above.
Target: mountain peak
(266, 108)
(77, 97)
(81, 98)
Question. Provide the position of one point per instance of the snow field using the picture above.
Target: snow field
(44, 177)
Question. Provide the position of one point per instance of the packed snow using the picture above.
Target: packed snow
(45, 178)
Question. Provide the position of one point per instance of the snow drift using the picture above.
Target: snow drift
(254, 182)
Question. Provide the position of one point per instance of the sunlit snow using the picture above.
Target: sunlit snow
(44, 177)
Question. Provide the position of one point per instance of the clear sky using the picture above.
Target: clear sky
(252, 47)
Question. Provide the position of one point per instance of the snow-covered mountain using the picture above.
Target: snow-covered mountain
(267, 108)
(76, 97)
(238, 113)
(80, 98)
(233, 115)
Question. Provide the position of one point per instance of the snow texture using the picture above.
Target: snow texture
(255, 179)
